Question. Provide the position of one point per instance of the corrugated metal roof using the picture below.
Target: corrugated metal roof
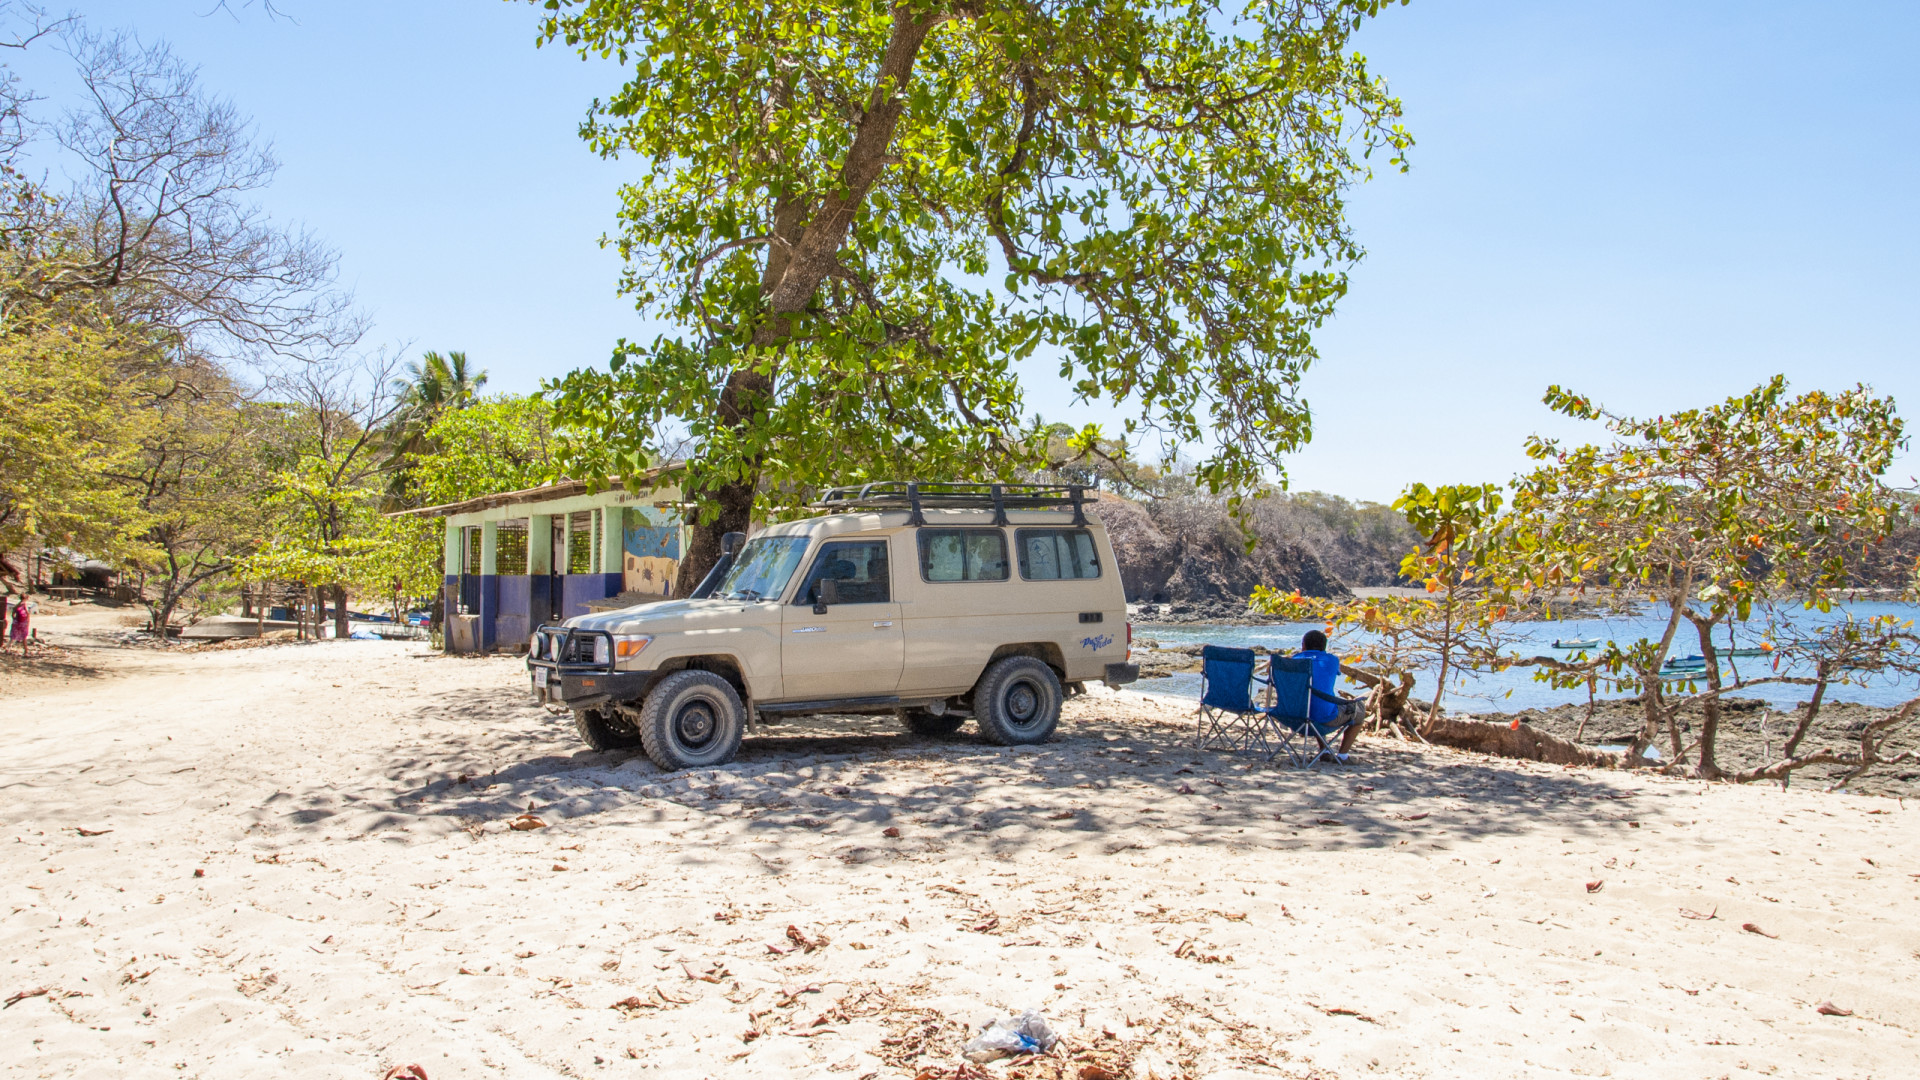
(559, 489)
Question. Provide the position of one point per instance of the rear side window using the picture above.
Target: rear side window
(963, 555)
(858, 569)
(1056, 554)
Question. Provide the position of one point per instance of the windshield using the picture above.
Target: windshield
(763, 568)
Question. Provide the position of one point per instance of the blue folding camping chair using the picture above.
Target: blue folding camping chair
(1291, 679)
(1229, 719)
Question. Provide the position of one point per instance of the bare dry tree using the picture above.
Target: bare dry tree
(161, 225)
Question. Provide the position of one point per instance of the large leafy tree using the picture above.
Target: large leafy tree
(862, 215)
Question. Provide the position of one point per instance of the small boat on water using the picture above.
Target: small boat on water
(1589, 643)
(1747, 652)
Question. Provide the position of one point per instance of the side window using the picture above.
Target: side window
(1056, 554)
(858, 568)
(963, 555)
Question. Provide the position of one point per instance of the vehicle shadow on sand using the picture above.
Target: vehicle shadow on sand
(1101, 785)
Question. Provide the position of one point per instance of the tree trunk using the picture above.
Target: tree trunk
(809, 238)
(340, 628)
(1653, 700)
(1709, 768)
(1446, 655)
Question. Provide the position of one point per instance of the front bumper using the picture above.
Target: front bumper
(566, 674)
(1122, 674)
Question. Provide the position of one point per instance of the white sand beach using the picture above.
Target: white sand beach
(299, 862)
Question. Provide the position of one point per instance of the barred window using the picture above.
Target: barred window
(510, 547)
(580, 542)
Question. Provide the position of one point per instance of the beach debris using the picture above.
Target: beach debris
(525, 822)
(405, 1072)
(103, 832)
(891, 832)
(713, 973)
(807, 944)
(1342, 1010)
(1184, 789)
(790, 994)
(38, 991)
(1595, 886)
(1828, 1008)
(1027, 1033)
(1753, 928)
(1689, 913)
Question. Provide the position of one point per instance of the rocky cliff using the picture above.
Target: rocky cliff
(1190, 554)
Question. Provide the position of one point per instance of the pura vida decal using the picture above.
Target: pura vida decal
(1096, 643)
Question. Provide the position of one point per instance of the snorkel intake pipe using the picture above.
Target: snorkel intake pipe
(729, 546)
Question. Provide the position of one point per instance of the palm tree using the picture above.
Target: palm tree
(432, 386)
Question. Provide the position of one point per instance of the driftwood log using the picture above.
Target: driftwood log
(1388, 707)
(1506, 740)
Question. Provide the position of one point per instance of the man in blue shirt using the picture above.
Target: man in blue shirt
(1326, 672)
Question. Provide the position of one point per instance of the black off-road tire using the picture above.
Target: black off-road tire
(604, 731)
(1017, 701)
(692, 719)
(922, 722)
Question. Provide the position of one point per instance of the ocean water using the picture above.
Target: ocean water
(1516, 689)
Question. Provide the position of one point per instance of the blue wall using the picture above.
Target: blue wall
(578, 589)
(489, 610)
(511, 607)
(511, 625)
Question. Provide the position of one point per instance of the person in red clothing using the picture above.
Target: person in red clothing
(1329, 712)
(22, 630)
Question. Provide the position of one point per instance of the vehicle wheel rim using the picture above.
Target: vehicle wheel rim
(695, 724)
(1023, 704)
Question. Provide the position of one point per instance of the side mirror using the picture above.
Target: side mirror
(827, 592)
(730, 542)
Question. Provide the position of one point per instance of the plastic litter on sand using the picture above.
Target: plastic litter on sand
(1027, 1033)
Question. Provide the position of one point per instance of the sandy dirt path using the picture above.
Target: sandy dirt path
(297, 862)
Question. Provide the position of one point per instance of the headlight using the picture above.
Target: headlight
(536, 646)
(600, 650)
(628, 646)
(553, 645)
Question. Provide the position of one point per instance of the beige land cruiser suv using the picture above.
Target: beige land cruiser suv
(936, 602)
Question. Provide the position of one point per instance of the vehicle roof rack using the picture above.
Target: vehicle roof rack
(916, 496)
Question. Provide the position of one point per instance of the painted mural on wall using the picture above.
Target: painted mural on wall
(651, 556)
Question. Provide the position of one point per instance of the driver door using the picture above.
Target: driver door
(857, 647)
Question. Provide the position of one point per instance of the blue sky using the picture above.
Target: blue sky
(1660, 204)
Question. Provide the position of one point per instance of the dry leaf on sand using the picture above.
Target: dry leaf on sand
(1752, 928)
